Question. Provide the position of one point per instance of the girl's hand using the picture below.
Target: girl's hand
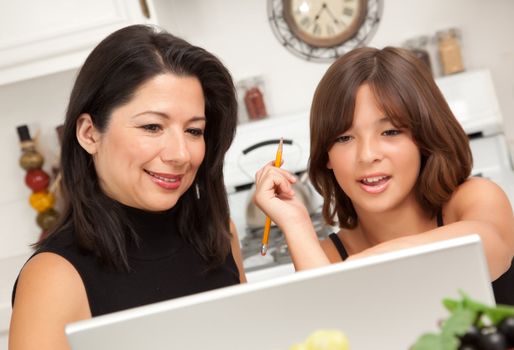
(275, 196)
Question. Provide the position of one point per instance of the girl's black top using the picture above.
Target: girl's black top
(503, 287)
(163, 266)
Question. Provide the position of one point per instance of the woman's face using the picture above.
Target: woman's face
(152, 148)
(375, 163)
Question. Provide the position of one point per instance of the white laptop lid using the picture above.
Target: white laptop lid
(381, 302)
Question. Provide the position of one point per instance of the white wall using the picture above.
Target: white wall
(239, 33)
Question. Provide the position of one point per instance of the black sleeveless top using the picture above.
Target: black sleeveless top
(503, 287)
(164, 266)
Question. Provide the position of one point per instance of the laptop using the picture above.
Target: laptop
(380, 302)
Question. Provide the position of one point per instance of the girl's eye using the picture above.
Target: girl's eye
(195, 131)
(152, 127)
(392, 132)
(343, 139)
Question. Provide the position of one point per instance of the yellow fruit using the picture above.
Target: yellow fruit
(298, 347)
(327, 339)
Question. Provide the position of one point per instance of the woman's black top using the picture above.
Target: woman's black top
(163, 266)
(503, 287)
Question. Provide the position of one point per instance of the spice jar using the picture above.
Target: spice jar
(418, 46)
(449, 51)
(253, 98)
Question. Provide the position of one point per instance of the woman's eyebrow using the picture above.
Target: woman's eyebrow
(159, 114)
(166, 116)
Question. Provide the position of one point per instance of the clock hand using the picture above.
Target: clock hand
(330, 13)
(323, 6)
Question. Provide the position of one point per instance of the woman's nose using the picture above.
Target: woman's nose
(369, 151)
(175, 148)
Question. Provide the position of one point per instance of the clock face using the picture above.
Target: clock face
(324, 23)
(322, 30)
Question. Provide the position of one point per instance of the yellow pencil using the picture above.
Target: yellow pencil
(267, 224)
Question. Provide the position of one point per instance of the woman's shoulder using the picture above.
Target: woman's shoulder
(46, 266)
(48, 287)
(51, 266)
(49, 279)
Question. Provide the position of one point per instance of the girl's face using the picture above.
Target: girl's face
(153, 146)
(375, 163)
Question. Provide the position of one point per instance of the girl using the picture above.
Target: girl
(392, 164)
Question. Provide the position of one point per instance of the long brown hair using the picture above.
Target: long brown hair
(406, 92)
(112, 73)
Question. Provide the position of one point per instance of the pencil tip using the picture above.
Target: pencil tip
(264, 249)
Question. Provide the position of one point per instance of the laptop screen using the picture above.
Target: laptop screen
(380, 302)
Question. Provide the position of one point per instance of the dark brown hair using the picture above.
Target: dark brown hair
(407, 93)
(112, 73)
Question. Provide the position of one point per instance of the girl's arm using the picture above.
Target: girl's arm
(477, 206)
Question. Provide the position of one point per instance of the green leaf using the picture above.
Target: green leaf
(458, 323)
(451, 304)
(474, 305)
(497, 314)
(450, 342)
(429, 341)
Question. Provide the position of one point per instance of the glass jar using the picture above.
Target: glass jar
(253, 98)
(418, 46)
(448, 42)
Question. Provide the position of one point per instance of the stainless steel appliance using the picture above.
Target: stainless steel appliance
(471, 97)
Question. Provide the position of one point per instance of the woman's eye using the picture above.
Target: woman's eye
(195, 131)
(392, 132)
(152, 127)
(343, 139)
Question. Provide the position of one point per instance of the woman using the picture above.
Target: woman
(392, 164)
(148, 123)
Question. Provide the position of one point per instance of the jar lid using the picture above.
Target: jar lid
(416, 42)
(448, 33)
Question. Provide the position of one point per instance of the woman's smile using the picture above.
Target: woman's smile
(166, 181)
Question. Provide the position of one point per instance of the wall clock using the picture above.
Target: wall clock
(322, 30)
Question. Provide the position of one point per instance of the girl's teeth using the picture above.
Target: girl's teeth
(373, 180)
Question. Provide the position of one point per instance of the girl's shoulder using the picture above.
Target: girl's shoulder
(474, 195)
(476, 187)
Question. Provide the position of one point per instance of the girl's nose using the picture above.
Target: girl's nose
(369, 151)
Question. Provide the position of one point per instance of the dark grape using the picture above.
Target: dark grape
(471, 337)
(468, 347)
(506, 327)
(492, 340)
